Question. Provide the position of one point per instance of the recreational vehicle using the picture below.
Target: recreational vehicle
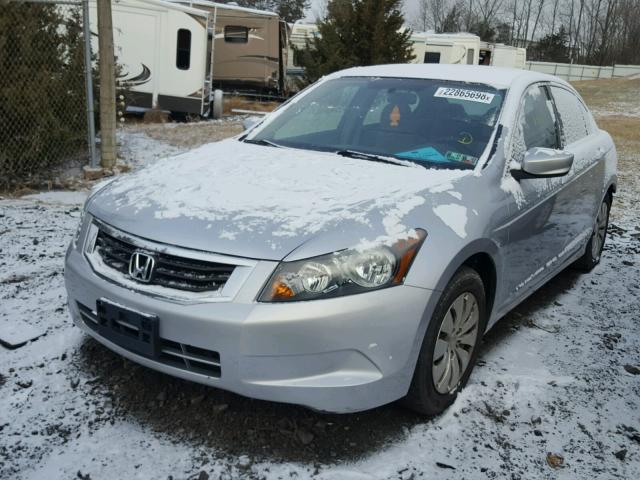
(455, 48)
(163, 52)
(501, 55)
(301, 33)
(428, 47)
(250, 49)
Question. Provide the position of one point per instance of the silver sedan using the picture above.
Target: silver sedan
(352, 248)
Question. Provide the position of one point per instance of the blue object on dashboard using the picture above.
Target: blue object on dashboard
(426, 153)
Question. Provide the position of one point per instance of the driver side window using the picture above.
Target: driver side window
(537, 124)
(538, 119)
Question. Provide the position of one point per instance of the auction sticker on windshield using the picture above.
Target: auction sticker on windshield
(463, 94)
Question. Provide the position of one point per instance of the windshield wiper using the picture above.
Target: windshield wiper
(371, 157)
(261, 141)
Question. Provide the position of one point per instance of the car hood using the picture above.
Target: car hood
(264, 202)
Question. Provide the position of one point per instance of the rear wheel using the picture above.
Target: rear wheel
(450, 345)
(592, 255)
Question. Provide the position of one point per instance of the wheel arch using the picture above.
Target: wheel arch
(481, 255)
(477, 254)
(483, 264)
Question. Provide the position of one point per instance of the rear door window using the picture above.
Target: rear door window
(574, 117)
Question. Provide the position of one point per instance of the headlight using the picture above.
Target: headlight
(343, 273)
(76, 236)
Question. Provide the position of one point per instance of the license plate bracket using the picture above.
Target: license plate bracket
(129, 329)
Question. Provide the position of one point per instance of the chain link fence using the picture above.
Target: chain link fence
(43, 91)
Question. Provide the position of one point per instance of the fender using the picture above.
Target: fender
(481, 245)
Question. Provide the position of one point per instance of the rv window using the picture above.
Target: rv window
(183, 51)
(235, 34)
(432, 57)
(296, 58)
(470, 54)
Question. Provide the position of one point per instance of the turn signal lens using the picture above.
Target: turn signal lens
(407, 250)
(281, 291)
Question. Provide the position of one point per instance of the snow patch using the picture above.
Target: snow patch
(59, 197)
(279, 191)
(454, 216)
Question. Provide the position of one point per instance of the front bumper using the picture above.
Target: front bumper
(342, 354)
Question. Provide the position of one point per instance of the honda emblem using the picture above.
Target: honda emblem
(141, 266)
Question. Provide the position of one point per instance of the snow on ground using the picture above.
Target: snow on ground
(553, 396)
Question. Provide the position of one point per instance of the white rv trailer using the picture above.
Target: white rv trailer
(250, 49)
(164, 52)
(453, 48)
(299, 35)
(428, 47)
(502, 55)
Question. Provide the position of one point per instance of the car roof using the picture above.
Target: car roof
(498, 77)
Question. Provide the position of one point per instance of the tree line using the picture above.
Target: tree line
(595, 32)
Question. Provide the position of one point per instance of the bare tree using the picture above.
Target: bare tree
(422, 19)
(535, 25)
(599, 32)
(553, 16)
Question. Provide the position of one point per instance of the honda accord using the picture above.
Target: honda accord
(353, 247)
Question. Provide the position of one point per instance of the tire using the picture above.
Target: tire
(424, 395)
(593, 253)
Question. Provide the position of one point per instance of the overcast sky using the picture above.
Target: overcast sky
(317, 8)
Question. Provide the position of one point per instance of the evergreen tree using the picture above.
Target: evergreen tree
(552, 47)
(356, 33)
(503, 34)
(484, 30)
(42, 107)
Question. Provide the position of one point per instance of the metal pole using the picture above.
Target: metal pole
(88, 79)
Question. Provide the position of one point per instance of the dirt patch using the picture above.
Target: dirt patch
(190, 134)
(623, 129)
(243, 103)
(616, 109)
(612, 94)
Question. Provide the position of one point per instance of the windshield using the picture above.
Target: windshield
(430, 122)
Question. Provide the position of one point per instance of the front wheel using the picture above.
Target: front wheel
(450, 345)
(592, 255)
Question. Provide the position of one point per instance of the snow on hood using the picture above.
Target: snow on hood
(263, 202)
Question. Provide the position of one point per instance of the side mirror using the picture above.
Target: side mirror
(250, 122)
(544, 163)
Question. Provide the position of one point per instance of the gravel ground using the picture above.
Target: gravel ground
(556, 393)
(187, 135)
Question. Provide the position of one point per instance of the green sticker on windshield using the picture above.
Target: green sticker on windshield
(461, 157)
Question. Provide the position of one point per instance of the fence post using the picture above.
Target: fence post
(107, 85)
(88, 79)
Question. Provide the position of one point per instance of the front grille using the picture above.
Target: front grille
(178, 355)
(170, 271)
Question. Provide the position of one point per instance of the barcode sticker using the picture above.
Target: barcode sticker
(463, 94)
